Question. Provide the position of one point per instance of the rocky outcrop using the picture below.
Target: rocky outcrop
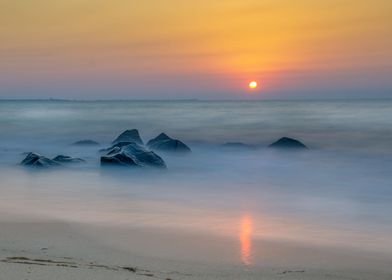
(131, 154)
(165, 143)
(131, 135)
(67, 159)
(119, 145)
(37, 160)
(288, 143)
(160, 137)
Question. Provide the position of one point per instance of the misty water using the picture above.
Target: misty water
(336, 194)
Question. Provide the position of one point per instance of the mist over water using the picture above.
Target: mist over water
(336, 194)
(347, 125)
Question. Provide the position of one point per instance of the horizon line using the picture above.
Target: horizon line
(192, 99)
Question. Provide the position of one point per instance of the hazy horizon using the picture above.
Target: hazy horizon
(196, 99)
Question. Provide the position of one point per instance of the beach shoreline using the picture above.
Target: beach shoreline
(43, 249)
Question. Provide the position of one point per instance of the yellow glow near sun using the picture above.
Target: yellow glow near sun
(253, 85)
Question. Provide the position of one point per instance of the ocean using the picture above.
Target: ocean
(336, 194)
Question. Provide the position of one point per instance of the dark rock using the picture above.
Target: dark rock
(288, 143)
(119, 145)
(237, 146)
(165, 143)
(67, 159)
(132, 154)
(131, 135)
(86, 143)
(36, 160)
(172, 145)
(160, 137)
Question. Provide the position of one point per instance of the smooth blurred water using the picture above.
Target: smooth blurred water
(349, 125)
(336, 194)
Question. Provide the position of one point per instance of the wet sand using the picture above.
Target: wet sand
(47, 249)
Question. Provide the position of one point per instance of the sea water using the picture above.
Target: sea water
(336, 194)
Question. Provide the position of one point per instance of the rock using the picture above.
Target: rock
(67, 159)
(36, 160)
(172, 145)
(119, 144)
(131, 135)
(160, 137)
(132, 154)
(237, 146)
(87, 142)
(165, 143)
(288, 143)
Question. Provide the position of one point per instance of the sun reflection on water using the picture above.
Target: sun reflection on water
(246, 228)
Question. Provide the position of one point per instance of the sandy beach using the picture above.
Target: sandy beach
(37, 249)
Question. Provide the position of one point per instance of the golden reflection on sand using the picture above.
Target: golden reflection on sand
(246, 227)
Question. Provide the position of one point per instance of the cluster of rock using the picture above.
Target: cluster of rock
(284, 143)
(126, 150)
(37, 160)
(131, 154)
(129, 150)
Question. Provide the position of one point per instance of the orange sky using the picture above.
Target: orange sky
(199, 49)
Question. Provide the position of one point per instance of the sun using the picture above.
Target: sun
(253, 85)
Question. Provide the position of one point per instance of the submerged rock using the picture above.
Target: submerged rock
(237, 146)
(165, 143)
(132, 154)
(67, 159)
(86, 142)
(288, 143)
(37, 160)
(131, 135)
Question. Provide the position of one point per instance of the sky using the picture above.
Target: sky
(205, 49)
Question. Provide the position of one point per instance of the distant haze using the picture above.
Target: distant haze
(95, 49)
